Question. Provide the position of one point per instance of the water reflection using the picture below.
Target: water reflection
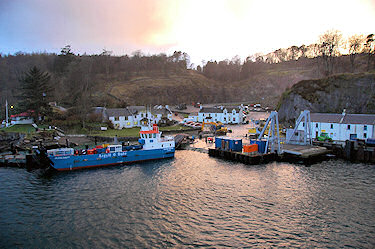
(190, 201)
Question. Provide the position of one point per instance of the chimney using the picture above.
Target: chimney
(343, 116)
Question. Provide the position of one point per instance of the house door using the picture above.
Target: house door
(316, 134)
(353, 136)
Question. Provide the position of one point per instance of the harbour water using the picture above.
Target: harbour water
(190, 201)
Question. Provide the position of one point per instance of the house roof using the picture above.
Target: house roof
(117, 112)
(134, 109)
(343, 118)
(359, 119)
(23, 114)
(210, 110)
(326, 117)
(162, 111)
(231, 108)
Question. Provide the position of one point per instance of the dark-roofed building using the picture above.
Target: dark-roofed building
(342, 127)
(132, 116)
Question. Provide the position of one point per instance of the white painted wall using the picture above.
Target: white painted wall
(21, 120)
(135, 120)
(225, 117)
(341, 132)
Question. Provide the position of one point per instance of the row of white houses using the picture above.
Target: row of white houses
(342, 127)
(136, 116)
(225, 115)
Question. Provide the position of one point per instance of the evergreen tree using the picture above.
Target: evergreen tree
(34, 92)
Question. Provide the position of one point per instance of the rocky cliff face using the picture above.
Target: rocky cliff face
(353, 92)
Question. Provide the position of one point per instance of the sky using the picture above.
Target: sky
(205, 29)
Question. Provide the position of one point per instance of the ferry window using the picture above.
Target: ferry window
(348, 127)
(331, 126)
(364, 135)
(112, 149)
(365, 127)
(162, 145)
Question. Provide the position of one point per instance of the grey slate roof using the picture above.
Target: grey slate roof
(230, 108)
(117, 112)
(134, 109)
(368, 119)
(210, 110)
(162, 111)
(359, 119)
(326, 117)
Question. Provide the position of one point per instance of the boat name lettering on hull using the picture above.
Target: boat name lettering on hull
(112, 154)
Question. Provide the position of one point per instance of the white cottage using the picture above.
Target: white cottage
(22, 118)
(134, 116)
(342, 127)
(225, 115)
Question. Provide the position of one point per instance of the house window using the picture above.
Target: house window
(116, 118)
(316, 125)
(331, 126)
(348, 128)
(135, 122)
(364, 135)
(128, 123)
(303, 124)
(154, 135)
(365, 127)
(234, 119)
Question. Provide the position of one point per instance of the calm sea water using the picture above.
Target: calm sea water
(190, 201)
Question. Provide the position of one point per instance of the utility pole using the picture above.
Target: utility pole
(6, 113)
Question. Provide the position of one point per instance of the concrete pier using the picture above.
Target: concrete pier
(303, 151)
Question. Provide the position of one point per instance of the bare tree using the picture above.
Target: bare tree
(355, 44)
(370, 49)
(107, 55)
(330, 43)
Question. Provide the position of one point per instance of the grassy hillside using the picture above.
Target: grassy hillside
(111, 81)
(192, 86)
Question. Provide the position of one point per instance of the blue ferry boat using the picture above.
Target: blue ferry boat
(151, 147)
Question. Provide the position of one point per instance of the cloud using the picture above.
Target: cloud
(87, 23)
(208, 29)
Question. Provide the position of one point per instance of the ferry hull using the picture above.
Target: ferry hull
(73, 162)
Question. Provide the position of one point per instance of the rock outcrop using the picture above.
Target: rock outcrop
(353, 92)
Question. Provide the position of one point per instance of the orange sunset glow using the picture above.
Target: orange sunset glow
(210, 29)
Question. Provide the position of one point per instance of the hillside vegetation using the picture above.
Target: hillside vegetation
(79, 82)
(353, 92)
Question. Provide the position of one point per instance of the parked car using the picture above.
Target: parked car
(324, 137)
